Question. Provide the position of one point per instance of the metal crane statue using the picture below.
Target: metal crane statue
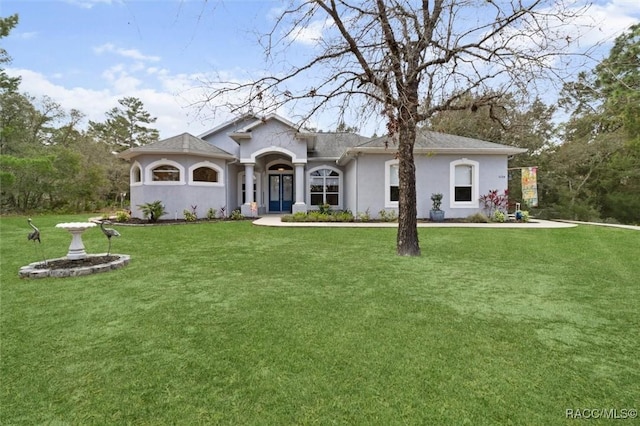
(35, 236)
(108, 232)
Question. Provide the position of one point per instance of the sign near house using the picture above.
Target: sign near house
(530, 186)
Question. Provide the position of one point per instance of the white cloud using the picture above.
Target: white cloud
(127, 53)
(26, 35)
(88, 4)
(309, 35)
(602, 23)
(172, 115)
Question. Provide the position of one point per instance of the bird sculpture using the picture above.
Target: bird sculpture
(35, 235)
(108, 232)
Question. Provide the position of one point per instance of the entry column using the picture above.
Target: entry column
(246, 209)
(299, 205)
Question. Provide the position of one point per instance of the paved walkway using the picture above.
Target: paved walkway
(274, 220)
(612, 225)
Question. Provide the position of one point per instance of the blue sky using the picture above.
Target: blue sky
(87, 54)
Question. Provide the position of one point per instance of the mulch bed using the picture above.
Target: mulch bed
(80, 263)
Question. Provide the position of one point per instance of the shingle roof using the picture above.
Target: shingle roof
(433, 140)
(185, 143)
(333, 145)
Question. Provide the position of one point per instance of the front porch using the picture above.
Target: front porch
(278, 183)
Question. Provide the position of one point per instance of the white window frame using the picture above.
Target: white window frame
(387, 183)
(135, 166)
(475, 184)
(256, 177)
(148, 173)
(209, 165)
(340, 186)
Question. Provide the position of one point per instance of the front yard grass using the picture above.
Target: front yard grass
(230, 323)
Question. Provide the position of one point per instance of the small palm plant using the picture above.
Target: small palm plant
(152, 211)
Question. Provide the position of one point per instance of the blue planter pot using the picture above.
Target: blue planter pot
(436, 215)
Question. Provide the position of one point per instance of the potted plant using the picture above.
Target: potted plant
(435, 214)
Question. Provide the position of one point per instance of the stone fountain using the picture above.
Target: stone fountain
(77, 262)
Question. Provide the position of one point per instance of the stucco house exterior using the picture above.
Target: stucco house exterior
(292, 170)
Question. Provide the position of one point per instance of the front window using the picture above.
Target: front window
(244, 192)
(392, 183)
(242, 189)
(464, 183)
(166, 173)
(324, 187)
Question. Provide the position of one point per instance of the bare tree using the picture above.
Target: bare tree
(404, 60)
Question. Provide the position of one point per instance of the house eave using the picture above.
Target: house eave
(351, 152)
(316, 159)
(136, 152)
(240, 136)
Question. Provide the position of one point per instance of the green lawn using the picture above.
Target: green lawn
(230, 323)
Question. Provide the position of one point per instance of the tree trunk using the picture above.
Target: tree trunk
(407, 243)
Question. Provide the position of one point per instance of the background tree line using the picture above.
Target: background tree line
(48, 162)
(588, 164)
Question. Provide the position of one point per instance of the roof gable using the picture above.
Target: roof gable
(234, 123)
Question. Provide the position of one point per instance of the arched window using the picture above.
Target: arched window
(205, 174)
(135, 176)
(280, 167)
(463, 179)
(164, 172)
(325, 184)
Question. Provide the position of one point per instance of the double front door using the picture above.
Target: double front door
(280, 192)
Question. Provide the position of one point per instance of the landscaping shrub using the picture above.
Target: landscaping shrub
(122, 216)
(236, 215)
(477, 218)
(387, 216)
(189, 216)
(364, 216)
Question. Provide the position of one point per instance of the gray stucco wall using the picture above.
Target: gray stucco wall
(222, 140)
(350, 186)
(432, 176)
(273, 134)
(176, 197)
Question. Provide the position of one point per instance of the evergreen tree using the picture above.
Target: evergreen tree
(126, 126)
(598, 164)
